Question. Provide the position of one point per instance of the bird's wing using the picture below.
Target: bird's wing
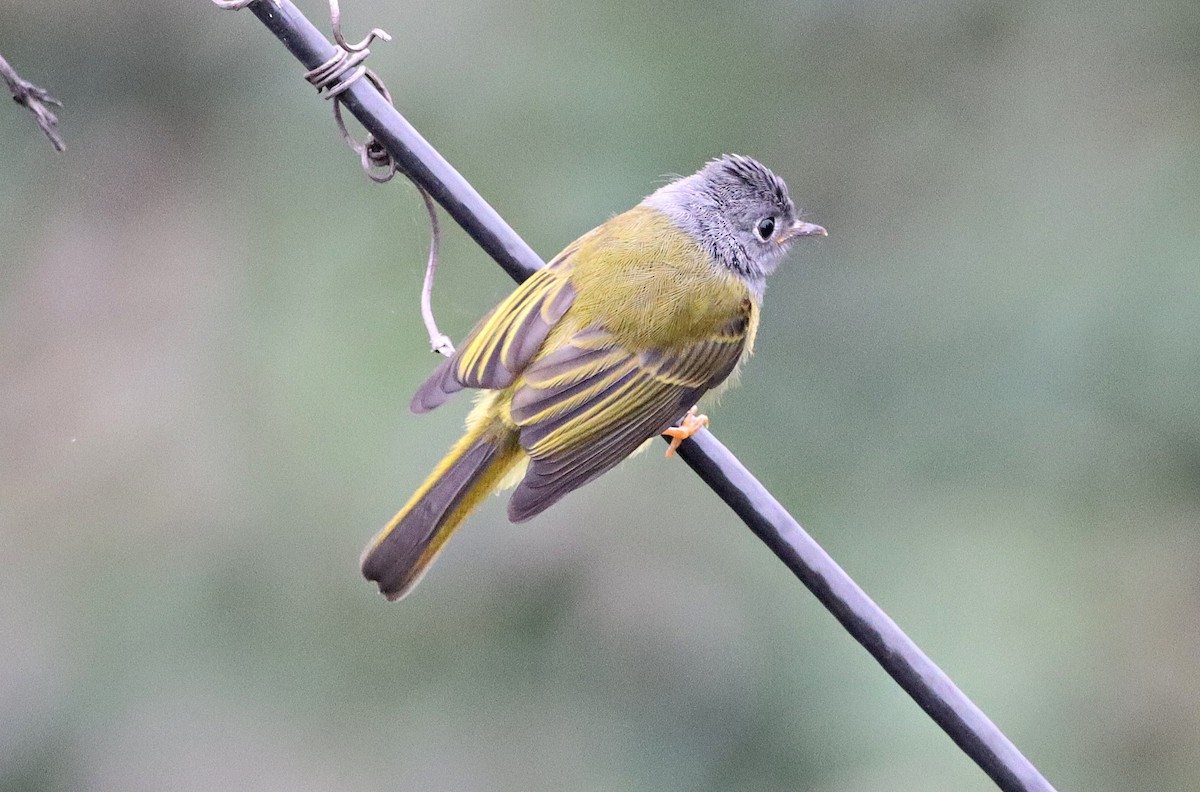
(504, 341)
(587, 405)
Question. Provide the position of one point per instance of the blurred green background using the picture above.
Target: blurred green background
(980, 394)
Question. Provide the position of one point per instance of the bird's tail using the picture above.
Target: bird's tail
(401, 553)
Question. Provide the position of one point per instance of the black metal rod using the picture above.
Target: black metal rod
(713, 462)
(912, 669)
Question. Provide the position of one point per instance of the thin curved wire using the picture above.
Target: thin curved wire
(371, 152)
(335, 14)
(437, 339)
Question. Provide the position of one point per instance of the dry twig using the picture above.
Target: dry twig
(36, 100)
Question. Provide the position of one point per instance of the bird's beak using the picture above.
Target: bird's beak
(801, 229)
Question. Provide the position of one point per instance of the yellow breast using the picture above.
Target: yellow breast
(651, 285)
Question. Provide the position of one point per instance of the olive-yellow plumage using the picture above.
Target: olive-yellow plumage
(608, 345)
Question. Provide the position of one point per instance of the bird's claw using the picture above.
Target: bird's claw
(690, 424)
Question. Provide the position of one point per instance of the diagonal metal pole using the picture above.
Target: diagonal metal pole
(929, 686)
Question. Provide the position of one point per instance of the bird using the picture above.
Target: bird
(610, 344)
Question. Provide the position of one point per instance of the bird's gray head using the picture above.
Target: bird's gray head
(739, 211)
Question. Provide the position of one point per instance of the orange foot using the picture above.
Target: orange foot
(690, 424)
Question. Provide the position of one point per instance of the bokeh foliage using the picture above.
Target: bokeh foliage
(980, 393)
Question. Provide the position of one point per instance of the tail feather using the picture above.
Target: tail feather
(402, 552)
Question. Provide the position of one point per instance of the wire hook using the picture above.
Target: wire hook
(335, 14)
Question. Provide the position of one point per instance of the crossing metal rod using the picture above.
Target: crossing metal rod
(929, 686)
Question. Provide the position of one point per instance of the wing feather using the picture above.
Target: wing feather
(590, 403)
(551, 477)
(506, 340)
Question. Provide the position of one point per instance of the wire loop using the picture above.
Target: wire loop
(376, 161)
(338, 73)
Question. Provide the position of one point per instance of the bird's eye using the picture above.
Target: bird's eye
(765, 228)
